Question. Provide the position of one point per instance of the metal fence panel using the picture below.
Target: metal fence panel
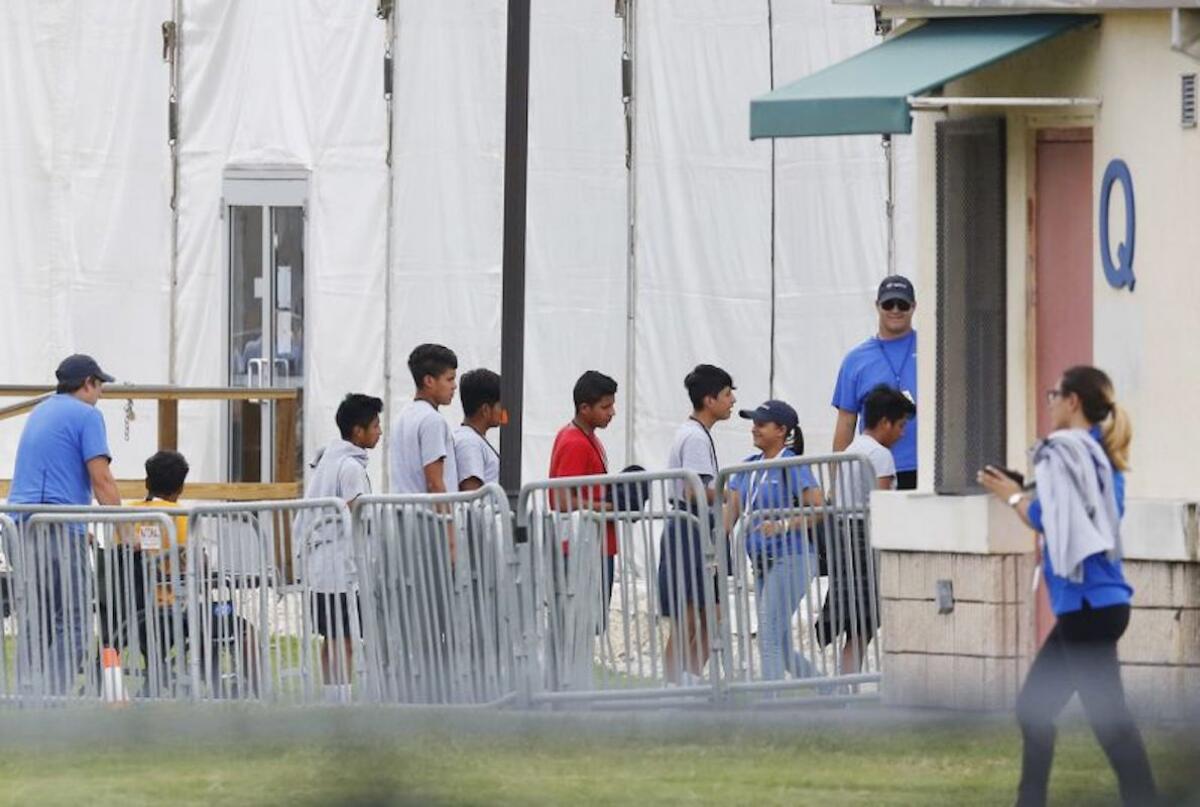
(94, 611)
(803, 592)
(604, 558)
(625, 590)
(437, 593)
(266, 580)
(10, 595)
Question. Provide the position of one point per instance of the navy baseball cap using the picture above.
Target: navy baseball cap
(779, 412)
(896, 287)
(80, 367)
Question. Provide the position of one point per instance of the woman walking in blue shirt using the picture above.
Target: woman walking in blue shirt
(1077, 509)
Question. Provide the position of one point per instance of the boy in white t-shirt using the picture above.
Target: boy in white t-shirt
(477, 460)
(422, 446)
(422, 461)
(681, 560)
(850, 609)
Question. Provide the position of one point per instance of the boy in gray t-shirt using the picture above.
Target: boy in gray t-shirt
(681, 556)
(422, 447)
(422, 461)
(478, 461)
(851, 609)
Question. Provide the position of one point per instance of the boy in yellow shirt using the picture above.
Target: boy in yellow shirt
(135, 575)
(139, 584)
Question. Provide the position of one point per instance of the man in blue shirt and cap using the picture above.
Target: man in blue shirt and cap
(63, 455)
(63, 459)
(889, 357)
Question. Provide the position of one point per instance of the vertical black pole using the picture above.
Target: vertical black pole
(512, 316)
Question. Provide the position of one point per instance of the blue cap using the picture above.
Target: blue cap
(779, 412)
(80, 367)
(896, 287)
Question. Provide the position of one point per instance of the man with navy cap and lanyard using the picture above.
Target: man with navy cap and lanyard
(63, 459)
(63, 455)
(889, 357)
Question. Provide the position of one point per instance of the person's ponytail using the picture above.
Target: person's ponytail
(797, 441)
(1099, 404)
(1117, 432)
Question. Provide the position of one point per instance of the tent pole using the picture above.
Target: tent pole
(774, 216)
(890, 202)
(172, 46)
(512, 316)
(629, 97)
(388, 12)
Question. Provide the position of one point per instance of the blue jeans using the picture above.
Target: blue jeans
(780, 590)
(59, 633)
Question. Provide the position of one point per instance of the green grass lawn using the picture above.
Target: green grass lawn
(364, 756)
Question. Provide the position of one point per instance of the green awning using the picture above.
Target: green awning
(868, 93)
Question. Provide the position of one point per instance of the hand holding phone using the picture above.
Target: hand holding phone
(1015, 476)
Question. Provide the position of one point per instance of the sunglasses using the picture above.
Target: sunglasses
(896, 305)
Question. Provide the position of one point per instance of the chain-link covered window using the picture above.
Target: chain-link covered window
(971, 359)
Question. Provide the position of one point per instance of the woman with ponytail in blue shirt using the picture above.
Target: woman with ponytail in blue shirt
(1077, 508)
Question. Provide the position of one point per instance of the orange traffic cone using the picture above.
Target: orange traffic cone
(113, 683)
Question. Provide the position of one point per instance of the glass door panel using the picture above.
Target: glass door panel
(248, 426)
(287, 357)
(266, 339)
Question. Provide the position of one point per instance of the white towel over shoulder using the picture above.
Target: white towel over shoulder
(1079, 502)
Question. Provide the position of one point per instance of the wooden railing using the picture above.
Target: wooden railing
(286, 485)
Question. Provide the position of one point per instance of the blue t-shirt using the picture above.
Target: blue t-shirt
(1103, 580)
(881, 361)
(766, 490)
(59, 438)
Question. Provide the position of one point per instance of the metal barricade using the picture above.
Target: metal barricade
(10, 538)
(804, 607)
(624, 590)
(271, 587)
(604, 558)
(95, 605)
(437, 596)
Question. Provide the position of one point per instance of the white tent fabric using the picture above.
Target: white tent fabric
(285, 83)
(85, 226)
(84, 200)
(831, 235)
(703, 275)
(576, 244)
(448, 184)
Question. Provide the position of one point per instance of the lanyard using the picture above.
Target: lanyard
(486, 441)
(760, 477)
(712, 447)
(595, 446)
(897, 374)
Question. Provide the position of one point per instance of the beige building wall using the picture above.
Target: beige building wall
(1148, 340)
(1144, 338)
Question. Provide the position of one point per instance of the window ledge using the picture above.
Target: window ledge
(1153, 529)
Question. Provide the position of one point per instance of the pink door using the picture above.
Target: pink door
(1063, 235)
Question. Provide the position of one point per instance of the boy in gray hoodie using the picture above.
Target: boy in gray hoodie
(340, 471)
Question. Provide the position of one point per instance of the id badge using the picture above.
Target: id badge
(149, 536)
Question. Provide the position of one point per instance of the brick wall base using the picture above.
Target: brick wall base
(975, 657)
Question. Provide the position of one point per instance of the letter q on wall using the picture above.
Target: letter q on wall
(1120, 273)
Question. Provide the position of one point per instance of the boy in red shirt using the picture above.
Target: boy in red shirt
(578, 452)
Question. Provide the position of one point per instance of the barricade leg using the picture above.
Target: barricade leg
(69, 610)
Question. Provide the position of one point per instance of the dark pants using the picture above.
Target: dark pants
(1080, 655)
(608, 569)
(906, 480)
